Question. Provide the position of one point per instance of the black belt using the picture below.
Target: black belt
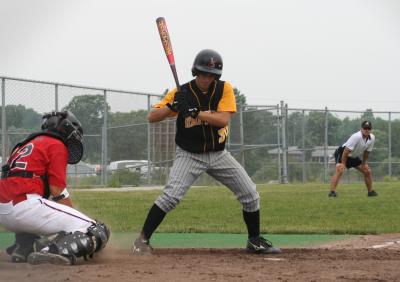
(25, 174)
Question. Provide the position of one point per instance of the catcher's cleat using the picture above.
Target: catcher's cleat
(372, 194)
(41, 257)
(11, 249)
(19, 253)
(332, 194)
(141, 247)
(259, 245)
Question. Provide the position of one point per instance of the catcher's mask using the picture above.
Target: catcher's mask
(66, 125)
(208, 61)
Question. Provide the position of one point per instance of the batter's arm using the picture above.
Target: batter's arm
(220, 119)
(60, 195)
(159, 114)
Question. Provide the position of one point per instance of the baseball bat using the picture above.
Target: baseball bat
(166, 42)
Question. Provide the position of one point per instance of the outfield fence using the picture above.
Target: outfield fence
(275, 143)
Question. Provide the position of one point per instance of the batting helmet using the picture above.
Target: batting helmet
(208, 61)
(66, 125)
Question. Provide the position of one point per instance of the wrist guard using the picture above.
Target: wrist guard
(63, 195)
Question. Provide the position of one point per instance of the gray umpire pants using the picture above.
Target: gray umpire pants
(220, 165)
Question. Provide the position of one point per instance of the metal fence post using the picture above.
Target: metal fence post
(56, 97)
(3, 122)
(104, 142)
(148, 143)
(303, 145)
(278, 128)
(326, 147)
(241, 134)
(390, 145)
(284, 144)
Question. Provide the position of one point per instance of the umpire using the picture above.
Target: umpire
(203, 107)
(355, 153)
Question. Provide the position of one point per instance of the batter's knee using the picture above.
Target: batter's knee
(252, 203)
(167, 202)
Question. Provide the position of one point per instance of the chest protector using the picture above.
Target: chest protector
(196, 136)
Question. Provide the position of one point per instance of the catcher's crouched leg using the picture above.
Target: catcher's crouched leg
(22, 247)
(65, 248)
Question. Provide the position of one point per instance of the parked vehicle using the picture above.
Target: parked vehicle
(140, 166)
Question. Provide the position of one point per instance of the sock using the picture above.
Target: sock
(252, 220)
(153, 220)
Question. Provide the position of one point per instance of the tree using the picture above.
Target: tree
(240, 98)
(17, 116)
(89, 110)
(128, 135)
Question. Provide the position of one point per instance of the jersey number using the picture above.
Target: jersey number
(23, 152)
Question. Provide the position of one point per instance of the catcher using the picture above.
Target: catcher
(34, 200)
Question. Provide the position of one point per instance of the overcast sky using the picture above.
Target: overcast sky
(343, 54)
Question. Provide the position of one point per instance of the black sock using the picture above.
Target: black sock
(153, 220)
(252, 220)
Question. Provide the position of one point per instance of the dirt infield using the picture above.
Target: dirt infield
(365, 258)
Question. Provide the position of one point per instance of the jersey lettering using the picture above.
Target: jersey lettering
(223, 133)
(190, 122)
(20, 154)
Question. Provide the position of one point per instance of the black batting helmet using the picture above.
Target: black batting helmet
(208, 61)
(68, 127)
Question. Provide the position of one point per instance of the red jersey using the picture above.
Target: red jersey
(43, 154)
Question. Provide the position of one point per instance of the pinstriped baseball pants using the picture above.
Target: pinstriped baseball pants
(220, 165)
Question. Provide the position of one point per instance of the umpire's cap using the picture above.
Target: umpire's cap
(366, 124)
(208, 61)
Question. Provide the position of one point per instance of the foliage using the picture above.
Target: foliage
(240, 97)
(19, 117)
(128, 136)
(123, 178)
(89, 110)
(84, 181)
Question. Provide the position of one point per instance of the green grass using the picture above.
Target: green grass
(285, 209)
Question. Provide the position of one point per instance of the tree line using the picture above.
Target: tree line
(127, 131)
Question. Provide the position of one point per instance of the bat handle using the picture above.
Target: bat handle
(173, 68)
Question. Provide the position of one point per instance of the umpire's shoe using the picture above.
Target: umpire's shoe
(43, 257)
(332, 194)
(141, 247)
(259, 245)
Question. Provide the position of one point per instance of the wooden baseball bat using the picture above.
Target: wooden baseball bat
(166, 42)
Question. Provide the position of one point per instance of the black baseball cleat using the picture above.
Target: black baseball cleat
(19, 253)
(141, 247)
(42, 257)
(332, 194)
(259, 245)
(372, 194)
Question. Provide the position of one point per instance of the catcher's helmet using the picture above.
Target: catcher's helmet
(208, 61)
(66, 125)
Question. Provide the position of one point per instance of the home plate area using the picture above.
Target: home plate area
(364, 258)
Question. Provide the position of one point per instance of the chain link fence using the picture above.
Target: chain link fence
(275, 143)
